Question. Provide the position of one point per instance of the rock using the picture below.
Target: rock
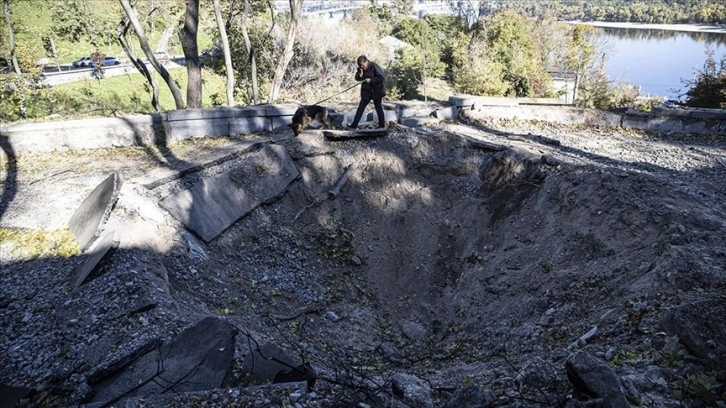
(356, 260)
(537, 373)
(592, 380)
(390, 352)
(330, 315)
(471, 397)
(414, 331)
(411, 390)
(700, 327)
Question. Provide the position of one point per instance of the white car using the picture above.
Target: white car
(83, 62)
(161, 56)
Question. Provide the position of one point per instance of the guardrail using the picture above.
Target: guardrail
(79, 74)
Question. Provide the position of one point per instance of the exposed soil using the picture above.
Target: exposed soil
(470, 256)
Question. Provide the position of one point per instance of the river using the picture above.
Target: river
(659, 60)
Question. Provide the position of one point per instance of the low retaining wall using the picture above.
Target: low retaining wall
(666, 120)
(140, 130)
(176, 125)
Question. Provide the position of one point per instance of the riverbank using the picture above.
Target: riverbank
(700, 28)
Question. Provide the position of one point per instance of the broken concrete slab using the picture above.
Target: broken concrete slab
(199, 359)
(214, 203)
(388, 116)
(414, 121)
(271, 364)
(354, 134)
(203, 161)
(94, 211)
(450, 113)
(103, 247)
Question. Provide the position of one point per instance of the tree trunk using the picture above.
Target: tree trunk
(11, 37)
(284, 61)
(227, 56)
(250, 52)
(188, 36)
(134, 20)
(55, 53)
(139, 64)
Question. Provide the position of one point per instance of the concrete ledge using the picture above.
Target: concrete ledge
(696, 121)
(140, 130)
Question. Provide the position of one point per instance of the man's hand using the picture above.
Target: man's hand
(367, 80)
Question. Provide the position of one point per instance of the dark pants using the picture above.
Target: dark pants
(364, 101)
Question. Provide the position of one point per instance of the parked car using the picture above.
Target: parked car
(161, 56)
(108, 61)
(83, 62)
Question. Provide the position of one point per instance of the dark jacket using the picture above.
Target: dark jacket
(377, 88)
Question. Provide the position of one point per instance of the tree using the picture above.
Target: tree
(227, 56)
(139, 64)
(420, 61)
(188, 37)
(402, 8)
(11, 37)
(579, 55)
(473, 72)
(144, 43)
(709, 88)
(252, 61)
(509, 38)
(287, 53)
(467, 10)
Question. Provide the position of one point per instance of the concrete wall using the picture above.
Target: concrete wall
(139, 130)
(676, 120)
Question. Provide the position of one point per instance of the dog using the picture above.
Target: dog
(305, 114)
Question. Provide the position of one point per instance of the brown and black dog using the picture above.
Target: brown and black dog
(305, 114)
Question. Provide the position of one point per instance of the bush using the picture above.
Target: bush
(708, 90)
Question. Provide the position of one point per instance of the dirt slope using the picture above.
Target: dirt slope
(471, 256)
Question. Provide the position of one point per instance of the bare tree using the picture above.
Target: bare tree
(134, 20)
(250, 52)
(139, 64)
(188, 36)
(11, 37)
(227, 56)
(287, 53)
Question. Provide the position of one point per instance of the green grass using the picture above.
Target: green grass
(129, 94)
(32, 21)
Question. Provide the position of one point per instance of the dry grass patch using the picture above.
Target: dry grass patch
(33, 244)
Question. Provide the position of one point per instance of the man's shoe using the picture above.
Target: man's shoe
(349, 127)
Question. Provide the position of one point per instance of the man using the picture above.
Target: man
(372, 88)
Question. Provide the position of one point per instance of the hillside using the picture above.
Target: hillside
(484, 263)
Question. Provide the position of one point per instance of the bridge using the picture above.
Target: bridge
(342, 9)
